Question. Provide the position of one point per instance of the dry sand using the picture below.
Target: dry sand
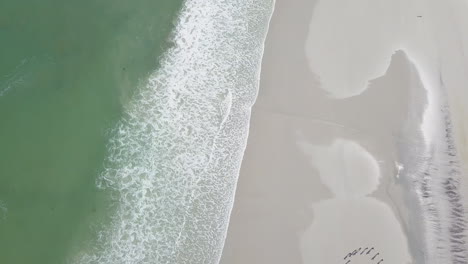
(333, 120)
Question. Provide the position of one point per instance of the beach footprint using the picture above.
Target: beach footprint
(351, 223)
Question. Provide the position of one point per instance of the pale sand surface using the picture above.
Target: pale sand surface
(318, 173)
(320, 176)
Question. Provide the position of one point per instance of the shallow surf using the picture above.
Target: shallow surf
(174, 157)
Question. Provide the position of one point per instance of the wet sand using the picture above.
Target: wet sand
(336, 120)
(319, 172)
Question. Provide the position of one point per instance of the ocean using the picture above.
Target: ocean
(122, 127)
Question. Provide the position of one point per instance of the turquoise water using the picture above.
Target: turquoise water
(123, 127)
(67, 69)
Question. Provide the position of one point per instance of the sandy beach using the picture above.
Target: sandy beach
(334, 132)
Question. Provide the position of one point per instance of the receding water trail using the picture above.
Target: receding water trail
(174, 157)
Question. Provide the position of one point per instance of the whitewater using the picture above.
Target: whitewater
(174, 157)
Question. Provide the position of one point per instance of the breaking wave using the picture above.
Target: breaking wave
(174, 157)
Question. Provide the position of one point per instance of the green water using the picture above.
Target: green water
(67, 68)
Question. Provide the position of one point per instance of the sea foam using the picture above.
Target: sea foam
(174, 157)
